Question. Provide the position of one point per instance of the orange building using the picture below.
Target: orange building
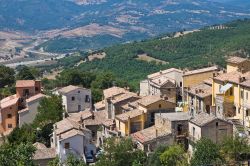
(10, 106)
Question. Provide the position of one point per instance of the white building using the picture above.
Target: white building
(148, 86)
(75, 99)
(28, 114)
(70, 137)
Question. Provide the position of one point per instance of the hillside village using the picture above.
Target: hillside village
(173, 107)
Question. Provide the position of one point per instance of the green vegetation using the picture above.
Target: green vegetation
(206, 153)
(195, 50)
(120, 152)
(6, 76)
(17, 155)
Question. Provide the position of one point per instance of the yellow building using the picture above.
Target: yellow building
(230, 91)
(142, 114)
(195, 77)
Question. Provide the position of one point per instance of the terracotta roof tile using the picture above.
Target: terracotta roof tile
(100, 105)
(201, 90)
(149, 134)
(203, 70)
(203, 118)
(65, 125)
(164, 72)
(68, 89)
(71, 133)
(162, 80)
(35, 97)
(9, 101)
(130, 114)
(125, 96)
(25, 83)
(148, 100)
(114, 91)
(233, 77)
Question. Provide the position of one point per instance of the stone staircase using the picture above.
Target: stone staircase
(238, 125)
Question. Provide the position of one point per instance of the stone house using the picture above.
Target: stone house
(205, 125)
(75, 99)
(199, 98)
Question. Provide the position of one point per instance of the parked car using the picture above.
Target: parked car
(89, 158)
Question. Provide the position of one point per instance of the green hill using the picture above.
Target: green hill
(193, 50)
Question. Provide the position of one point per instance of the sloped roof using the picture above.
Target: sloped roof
(232, 77)
(148, 100)
(164, 72)
(39, 145)
(35, 97)
(175, 116)
(162, 80)
(100, 105)
(25, 83)
(9, 101)
(203, 118)
(149, 134)
(203, 70)
(71, 133)
(123, 97)
(42, 152)
(65, 125)
(130, 114)
(201, 90)
(68, 89)
(113, 91)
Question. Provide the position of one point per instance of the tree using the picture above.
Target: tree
(17, 155)
(174, 156)
(234, 149)
(24, 134)
(154, 159)
(206, 153)
(50, 111)
(6, 76)
(120, 152)
(73, 161)
(25, 73)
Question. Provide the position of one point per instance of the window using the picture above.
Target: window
(9, 116)
(159, 105)
(242, 94)
(36, 88)
(10, 108)
(66, 145)
(79, 91)
(26, 92)
(247, 114)
(180, 84)
(79, 108)
(217, 124)
(87, 99)
(238, 110)
(193, 131)
(9, 126)
(73, 98)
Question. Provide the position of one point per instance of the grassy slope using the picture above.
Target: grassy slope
(191, 51)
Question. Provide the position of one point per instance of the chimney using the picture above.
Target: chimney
(81, 119)
(196, 91)
(160, 72)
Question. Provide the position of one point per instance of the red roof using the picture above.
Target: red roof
(25, 83)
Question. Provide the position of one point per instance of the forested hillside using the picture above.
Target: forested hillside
(198, 49)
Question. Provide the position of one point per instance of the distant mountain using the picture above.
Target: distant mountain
(131, 19)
